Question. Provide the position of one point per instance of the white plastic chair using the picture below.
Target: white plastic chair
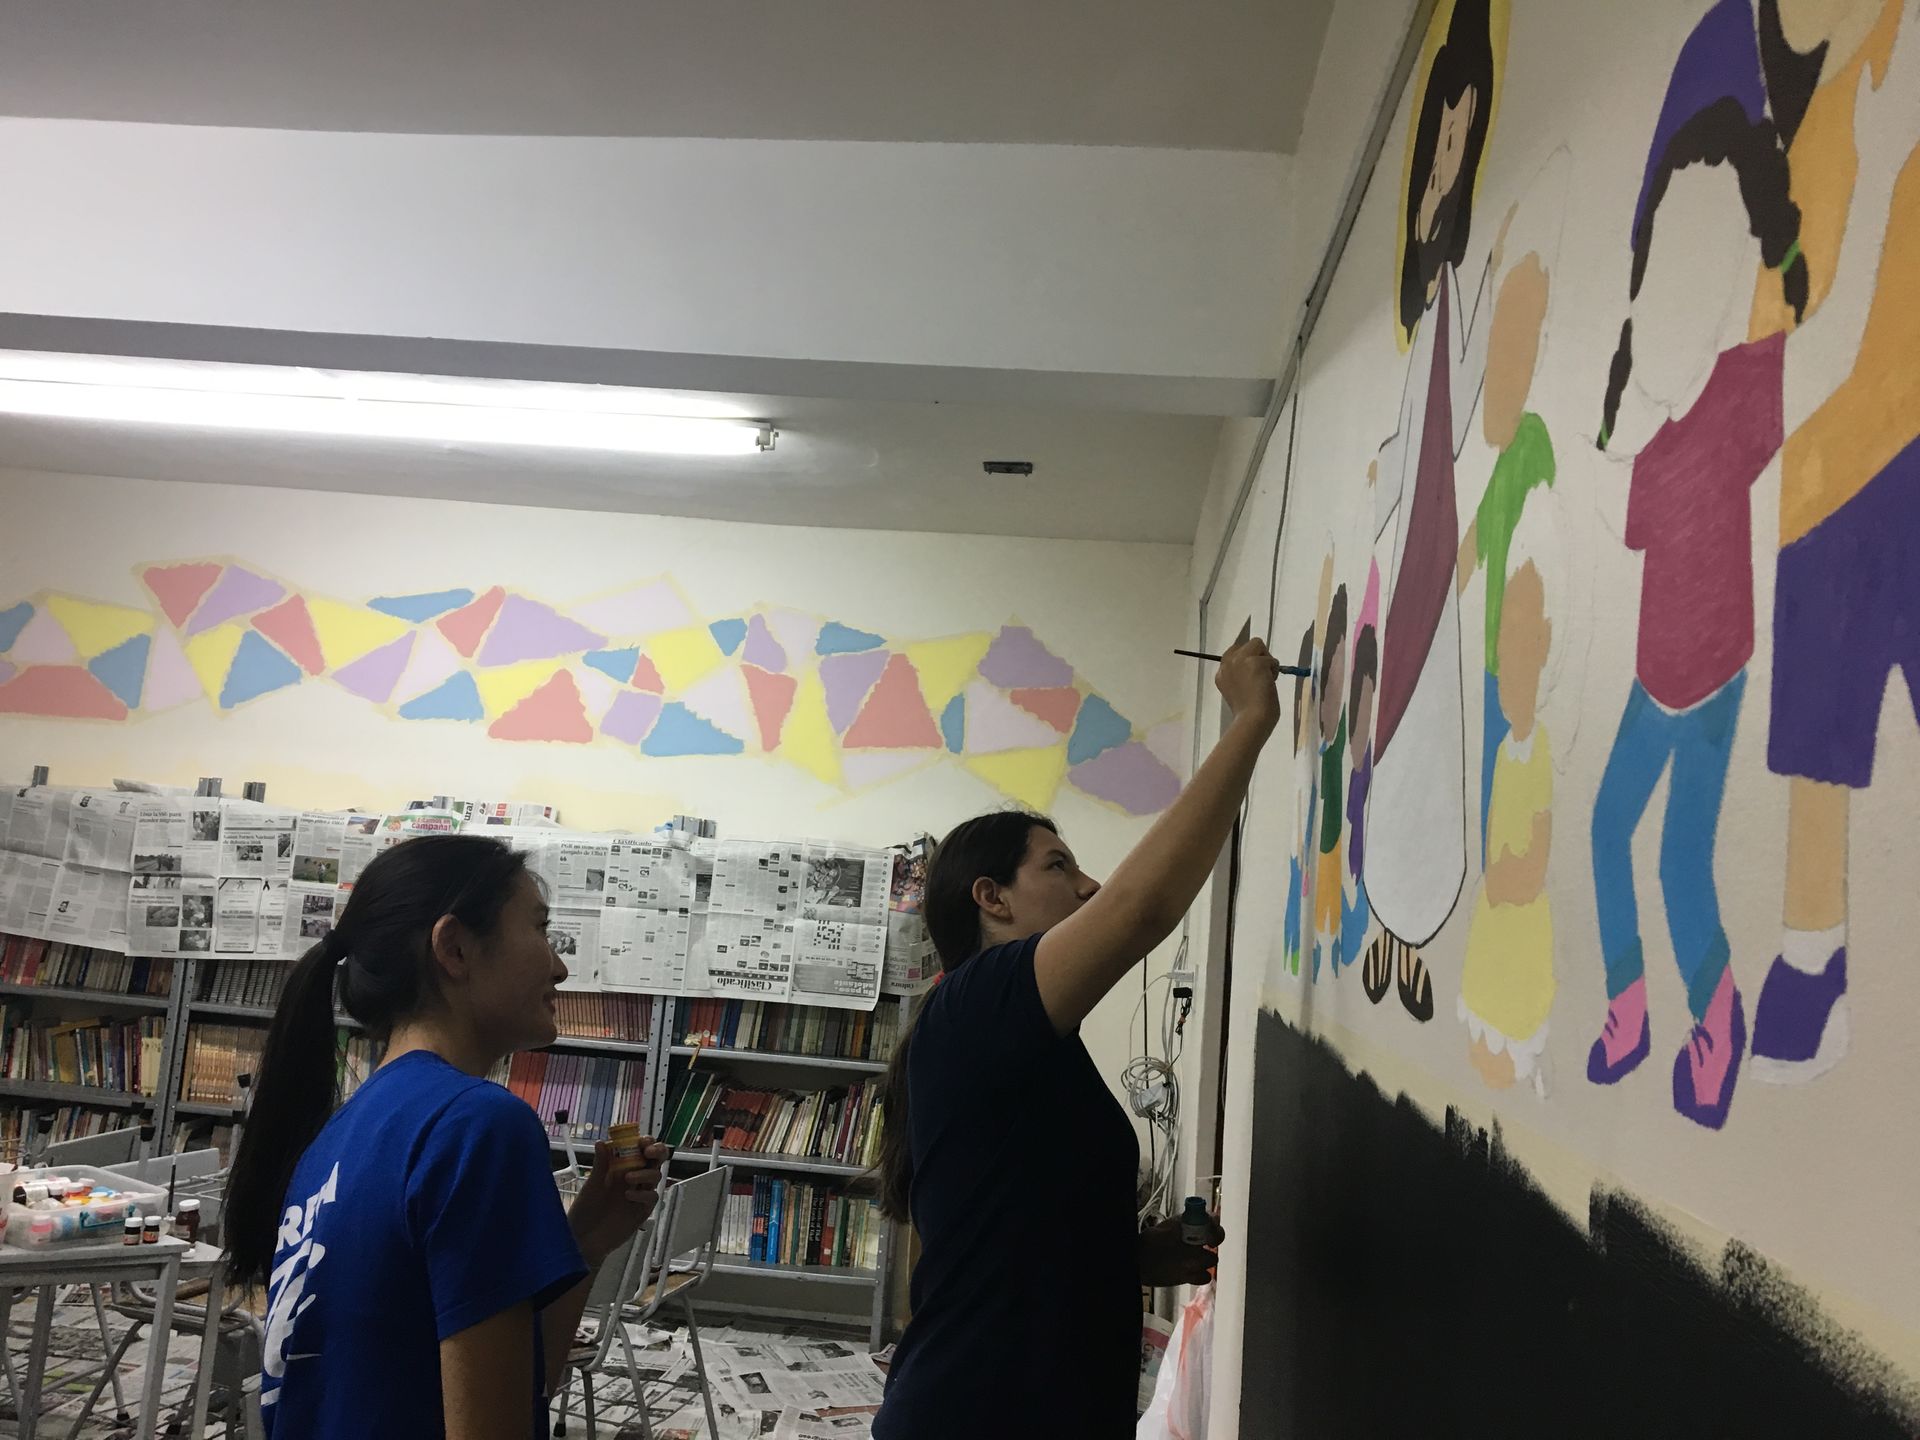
(681, 1241)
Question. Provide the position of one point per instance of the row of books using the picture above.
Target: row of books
(118, 1055)
(70, 1122)
(793, 1029)
(242, 982)
(604, 1015)
(842, 1125)
(596, 1091)
(24, 961)
(789, 1222)
(217, 1055)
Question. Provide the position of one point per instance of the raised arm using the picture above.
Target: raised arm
(1084, 956)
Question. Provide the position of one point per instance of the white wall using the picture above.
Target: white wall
(1112, 610)
(1819, 1178)
(1147, 262)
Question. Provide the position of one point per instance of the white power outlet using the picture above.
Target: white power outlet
(1184, 979)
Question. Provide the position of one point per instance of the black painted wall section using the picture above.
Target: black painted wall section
(1410, 1281)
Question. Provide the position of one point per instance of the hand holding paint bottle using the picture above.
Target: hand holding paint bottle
(619, 1193)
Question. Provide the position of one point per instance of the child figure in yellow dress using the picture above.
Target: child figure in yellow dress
(1507, 983)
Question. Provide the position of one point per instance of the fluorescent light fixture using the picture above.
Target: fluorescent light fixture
(367, 405)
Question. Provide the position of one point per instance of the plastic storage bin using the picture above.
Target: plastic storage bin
(101, 1220)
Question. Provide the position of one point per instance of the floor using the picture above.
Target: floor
(770, 1382)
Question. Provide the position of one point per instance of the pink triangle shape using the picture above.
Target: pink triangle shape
(240, 592)
(65, 692)
(553, 712)
(290, 627)
(465, 626)
(429, 667)
(529, 630)
(178, 588)
(995, 723)
(170, 678)
(646, 676)
(373, 676)
(772, 698)
(1057, 705)
(44, 641)
(895, 716)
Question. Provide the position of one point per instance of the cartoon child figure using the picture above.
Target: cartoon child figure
(1698, 409)
(1366, 670)
(1329, 889)
(1525, 462)
(1305, 743)
(1507, 982)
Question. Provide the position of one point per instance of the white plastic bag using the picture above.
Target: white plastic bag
(1183, 1392)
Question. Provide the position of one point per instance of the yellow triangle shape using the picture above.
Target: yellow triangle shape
(1029, 776)
(504, 686)
(684, 656)
(945, 666)
(211, 654)
(346, 632)
(807, 738)
(95, 628)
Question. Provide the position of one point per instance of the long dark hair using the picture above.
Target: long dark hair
(379, 960)
(1720, 134)
(990, 846)
(1463, 62)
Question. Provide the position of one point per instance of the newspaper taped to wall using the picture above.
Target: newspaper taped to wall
(256, 842)
(575, 935)
(911, 961)
(841, 940)
(88, 907)
(753, 902)
(100, 830)
(176, 835)
(644, 950)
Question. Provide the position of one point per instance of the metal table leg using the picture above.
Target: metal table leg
(209, 1342)
(37, 1363)
(157, 1340)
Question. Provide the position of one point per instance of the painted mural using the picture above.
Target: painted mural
(637, 670)
(1541, 694)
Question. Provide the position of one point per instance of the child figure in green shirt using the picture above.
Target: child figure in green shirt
(1526, 460)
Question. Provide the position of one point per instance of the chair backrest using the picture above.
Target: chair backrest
(114, 1147)
(686, 1232)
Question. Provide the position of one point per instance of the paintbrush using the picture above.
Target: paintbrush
(1303, 671)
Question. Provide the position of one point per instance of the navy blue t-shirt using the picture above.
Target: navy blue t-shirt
(1026, 1299)
(425, 1206)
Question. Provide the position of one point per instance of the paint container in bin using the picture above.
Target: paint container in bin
(77, 1203)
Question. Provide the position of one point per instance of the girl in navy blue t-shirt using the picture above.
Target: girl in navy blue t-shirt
(423, 1279)
(1004, 1146)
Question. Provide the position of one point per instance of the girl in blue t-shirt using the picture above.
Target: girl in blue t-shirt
(1003, 1144)
(422, 1276)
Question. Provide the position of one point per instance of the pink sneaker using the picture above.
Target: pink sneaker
(1707, 1066)
(1624, 1040)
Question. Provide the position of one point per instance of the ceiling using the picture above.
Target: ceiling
(1200, 74)
(839, 464)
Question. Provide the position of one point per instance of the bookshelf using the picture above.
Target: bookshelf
(643, 1045)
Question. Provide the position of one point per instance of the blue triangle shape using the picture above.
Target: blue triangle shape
(1099, 729)
(421, 608)
(953, 723)
(457, 698)
(728, 634)
(258, 669)
(123, 669)
(615, 664)
(679, 731)
(12, 621)
(838, 639)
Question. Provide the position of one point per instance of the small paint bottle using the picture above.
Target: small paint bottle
(132, 1228)
(1196, 1225)
(186, 1221)
(150, 1233)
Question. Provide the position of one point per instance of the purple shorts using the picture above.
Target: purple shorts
(1846, 611)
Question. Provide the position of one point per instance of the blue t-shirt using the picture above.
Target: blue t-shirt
(425, 1206)
(1026, 1298)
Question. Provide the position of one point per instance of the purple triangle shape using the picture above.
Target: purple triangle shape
(373, 675)
(237, 592)
(527, 630)
(1017, 660)
(847, 679)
